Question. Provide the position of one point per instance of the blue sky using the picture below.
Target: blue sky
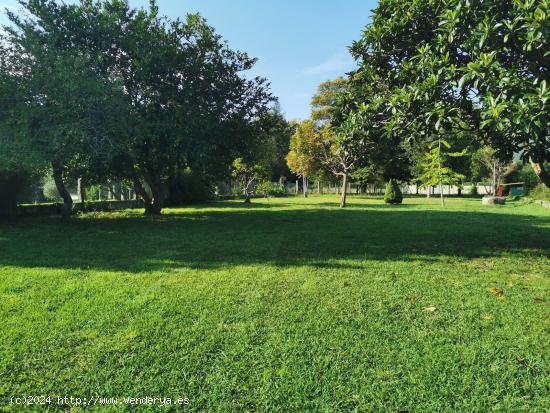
(298, 43)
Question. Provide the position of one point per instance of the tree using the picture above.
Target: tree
(276, 133)
(325, 100)
(341, 151)
(303, 157)
(184, 100)
(247, 174)
(464, 66)
(485, 164)
(19, 161)
(436, 170)
(506, 67)
(67, 109)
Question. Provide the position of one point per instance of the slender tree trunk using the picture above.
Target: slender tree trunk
(67, 208)
(441, 195)
(494, 178)
(82, 194)
(304, 185)
(246, 186)
(541, 172)
(247, 192)
(344, 192)
(297, 187)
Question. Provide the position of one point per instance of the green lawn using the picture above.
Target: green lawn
(284, 305)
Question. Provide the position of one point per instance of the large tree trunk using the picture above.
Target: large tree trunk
(541, 172)
(67, 208)
(151, 207)
(344, 190)
(159, 189)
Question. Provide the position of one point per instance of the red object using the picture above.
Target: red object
(500, 190)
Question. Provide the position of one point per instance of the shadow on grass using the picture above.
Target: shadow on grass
(238, 234)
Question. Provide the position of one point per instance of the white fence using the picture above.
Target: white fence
(314, 187)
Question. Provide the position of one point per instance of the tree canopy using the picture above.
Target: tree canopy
(174, 90)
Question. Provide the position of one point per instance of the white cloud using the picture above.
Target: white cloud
(337, 63)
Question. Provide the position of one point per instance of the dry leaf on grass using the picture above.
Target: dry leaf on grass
(430, 309)
(496, 291)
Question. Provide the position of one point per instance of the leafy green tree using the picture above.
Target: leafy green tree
(66, 109)
(183, 99)
(485, 165)
(341, 151)
(464, 66)
(248, 174)
(323, 103)
(19, 161)
(303, 157)
(276, 132)
(436, 170)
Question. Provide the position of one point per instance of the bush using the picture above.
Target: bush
(268, 189)
(393, 193)
(529, 177)
(540, 193)
(189, 188)
(473, 189)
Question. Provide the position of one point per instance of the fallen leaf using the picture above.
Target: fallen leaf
(538, 300)
(430, 309)
(496, 291)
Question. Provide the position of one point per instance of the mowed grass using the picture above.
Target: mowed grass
(285, 305)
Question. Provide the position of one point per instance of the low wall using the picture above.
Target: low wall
(55, 208)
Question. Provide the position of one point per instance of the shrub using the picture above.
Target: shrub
(189, 188)
(393, 193)
(529, 177)
(541, 193)
(268, 189)
(473, 189)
